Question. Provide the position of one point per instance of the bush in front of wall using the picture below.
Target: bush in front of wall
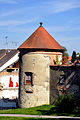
(65, 103)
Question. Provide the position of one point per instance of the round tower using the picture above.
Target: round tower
(37, 53)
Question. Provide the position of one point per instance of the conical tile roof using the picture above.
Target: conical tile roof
(41, 39)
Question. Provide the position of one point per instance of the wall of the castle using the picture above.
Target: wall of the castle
(54, 79)
(38, 93)
(53, 56)
(64, 79)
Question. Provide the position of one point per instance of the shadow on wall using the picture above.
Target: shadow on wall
(64, 79)
(6, 103)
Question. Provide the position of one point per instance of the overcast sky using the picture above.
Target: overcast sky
(20, 18)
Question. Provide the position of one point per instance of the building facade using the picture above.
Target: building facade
(37, 53)
(9, 77)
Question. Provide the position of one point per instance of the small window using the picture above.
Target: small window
(28, 76)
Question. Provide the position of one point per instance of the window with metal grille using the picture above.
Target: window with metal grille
(28, 78)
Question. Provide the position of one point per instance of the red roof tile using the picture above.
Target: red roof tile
(41, 39)
(69, 58)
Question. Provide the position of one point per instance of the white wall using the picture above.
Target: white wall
(5, 80)
(9, 92)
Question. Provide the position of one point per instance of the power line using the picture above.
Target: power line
(15, 43)
(6, 37)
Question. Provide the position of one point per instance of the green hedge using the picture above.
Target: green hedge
(65, 103)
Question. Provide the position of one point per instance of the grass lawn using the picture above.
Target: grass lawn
(40, 110)
(23, 118)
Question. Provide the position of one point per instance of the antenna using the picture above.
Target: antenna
(15, 43)
(6, 37)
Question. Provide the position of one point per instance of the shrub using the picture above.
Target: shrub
(65, 103)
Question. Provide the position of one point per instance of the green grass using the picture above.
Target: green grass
(23, 118)
(28, 111)
(40, 110)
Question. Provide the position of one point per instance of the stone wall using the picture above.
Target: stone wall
(52, 55)
(69, 83)
(38, 93)
(54, 78)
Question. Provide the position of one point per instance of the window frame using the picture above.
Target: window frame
(28, 78)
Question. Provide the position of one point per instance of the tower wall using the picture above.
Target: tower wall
(38, 92)
(53, 56)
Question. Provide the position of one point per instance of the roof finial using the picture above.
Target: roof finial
(41, 24)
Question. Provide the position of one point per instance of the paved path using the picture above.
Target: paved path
(39, 116)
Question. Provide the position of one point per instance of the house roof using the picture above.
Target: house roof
(69, 58)
(41, 39)
(8, 57)
(2, 53)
